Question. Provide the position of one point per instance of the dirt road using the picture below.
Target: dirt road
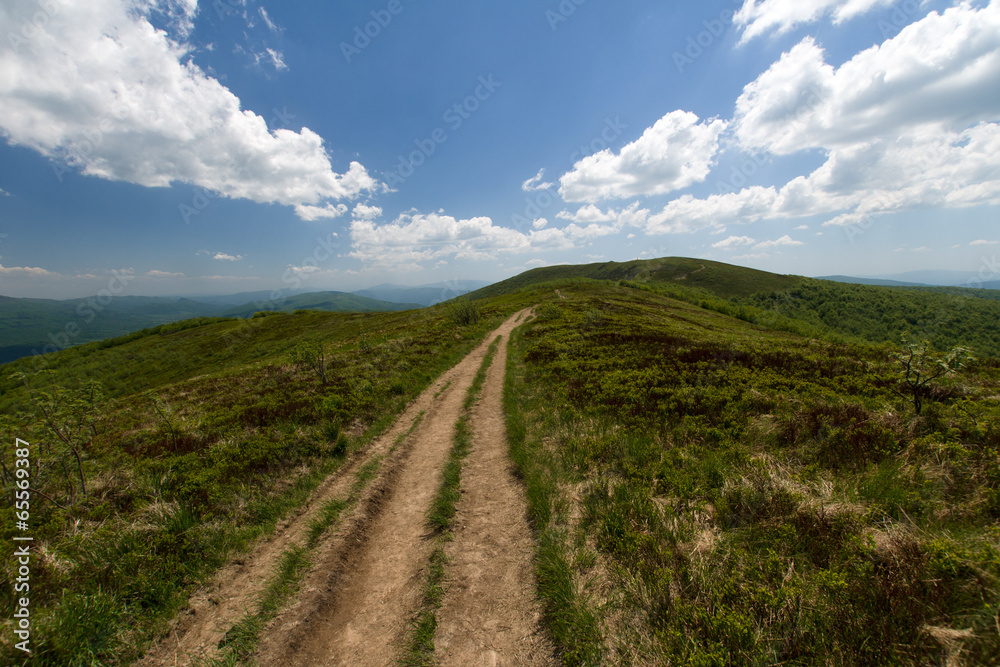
(355, 605)
(489, 616)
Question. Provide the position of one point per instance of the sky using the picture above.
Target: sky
(168, 147)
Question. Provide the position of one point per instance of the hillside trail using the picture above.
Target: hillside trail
(356, 606)
(490, 615)
(234, 591)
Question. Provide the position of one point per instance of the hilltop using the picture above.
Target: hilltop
(711, 475)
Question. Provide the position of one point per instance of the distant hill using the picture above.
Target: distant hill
(870, 281)
(725, 280)
(425, 295)
(946, 316)
(35, 326)
(325, 301)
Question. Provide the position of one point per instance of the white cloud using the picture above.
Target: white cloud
(272, 26)
(784, 241)
(312, 213)
(941, 72)
(146, 114)
(983, 242)
(906, 125)
(221, 256)
(676, 152)
(4, 193)
(688, 214)
(541, 223)
(536, 183)
(276, 58)
(415, 238)
(735, 242)
(27, 271)
(162, 274)
(588, 213)
(365, 212)
(780, 16)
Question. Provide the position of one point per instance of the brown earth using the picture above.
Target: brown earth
(356, 605)
(489, 616)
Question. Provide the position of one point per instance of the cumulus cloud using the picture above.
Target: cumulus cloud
(909, 124)
(311, 213)
(365, 212)
(536, 183)
(162, 274)
(144, 113)
(689, 214)
(677, 151)
(941, 72)
(735, 242)
(784, 241)
(414, 239)
(27, 271)
(223, 257)
(778, 17)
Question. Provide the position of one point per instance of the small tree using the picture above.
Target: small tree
(71, 416)
(919, 367)
(313, 357)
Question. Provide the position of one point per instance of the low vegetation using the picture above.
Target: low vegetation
(706, 492)
(716, 474)
(192, 444)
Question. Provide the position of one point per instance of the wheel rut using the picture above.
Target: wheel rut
(356, 605)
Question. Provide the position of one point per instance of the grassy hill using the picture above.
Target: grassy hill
(184, 443)
(710, 492)
(723, 280)
(33, 326)
(704, 488)
(945, 316)
(338, 302)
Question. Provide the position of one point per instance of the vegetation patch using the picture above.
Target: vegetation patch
(709, 492)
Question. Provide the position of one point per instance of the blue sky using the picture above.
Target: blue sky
(236, 145)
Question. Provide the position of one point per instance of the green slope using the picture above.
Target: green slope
(32, 326)
(337, 302)
(745, 494)
(709, 492)
(205, 433)
(945, 316)
(723, 280)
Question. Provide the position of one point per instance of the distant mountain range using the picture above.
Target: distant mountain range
(33, 326)
(922, 279)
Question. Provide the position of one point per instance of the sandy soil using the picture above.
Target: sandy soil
(355, 605)
(490, 616)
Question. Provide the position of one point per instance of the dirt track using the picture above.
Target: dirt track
(356, 603)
